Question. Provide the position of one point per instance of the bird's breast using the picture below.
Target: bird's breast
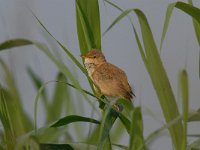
(90, 68)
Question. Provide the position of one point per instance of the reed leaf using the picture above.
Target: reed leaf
(158, 76)
(197, 32)
(6, 122)
(108, 119)
(196, 25)
(20, 120)
(194, 12)
(183, 84)
(88, 25)
(44, 146)
(61, 94)
(73, 118)
(37, 82)
(136, 135)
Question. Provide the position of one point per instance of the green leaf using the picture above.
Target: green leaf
(19, 119)
(121, 146)
(35, 78)
(195, 116)
(42, 88)
(196, 25)
(44, 146)
(61, 67)
(67, 52)
(194, 145)
(197, 32)
(126, 122)
(63, 47)
(158, 131)
(109, 117)
(194, 12)
(6, 122)
(88, 25)
(183, 84)
(158, 76)
(68, 146)
(38, 83)
(61, 94)
(121, 16)
(166, 23)
(73, 118)
(136, 135)
(124, 14)
(160, 81)
(14, 43)
(187, 8)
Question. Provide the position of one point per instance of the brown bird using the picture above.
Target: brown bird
(109, 79)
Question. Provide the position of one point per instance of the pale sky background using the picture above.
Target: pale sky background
(180, 50)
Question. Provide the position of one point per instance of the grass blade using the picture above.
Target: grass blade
(197, 32)
(109, 117)
(61, 94)
(6, 122)
(42, 88)
(121, 16)
(44, 146)
(19, 119)
(73, 118)
(188, 9)
(158, 76)
(14, 43)
(136, 135)
(170, 9)
(160, 81)
(196, 26)
(124, 14)
(63, 47)
(88, 25)
(195, 116)
(183, 84)
(194, 145)
(38, 83)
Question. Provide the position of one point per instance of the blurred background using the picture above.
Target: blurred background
(180, 50)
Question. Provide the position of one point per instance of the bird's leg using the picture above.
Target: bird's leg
(117, 106)
(113, 104)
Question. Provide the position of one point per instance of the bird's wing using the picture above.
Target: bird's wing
(110, 79)
(109, 71)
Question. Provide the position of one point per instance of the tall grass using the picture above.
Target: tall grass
(20, 132)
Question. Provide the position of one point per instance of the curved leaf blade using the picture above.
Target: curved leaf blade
(73, 118)
(78, 64)
(187, 8)
(14, 43)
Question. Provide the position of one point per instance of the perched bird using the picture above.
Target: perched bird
(108, 78)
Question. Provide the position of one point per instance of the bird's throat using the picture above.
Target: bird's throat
(90, 68)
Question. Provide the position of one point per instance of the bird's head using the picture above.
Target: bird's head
(94, 56)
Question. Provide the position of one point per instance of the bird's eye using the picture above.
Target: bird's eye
(94, 56)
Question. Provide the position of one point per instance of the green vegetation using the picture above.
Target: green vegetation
(21, 132)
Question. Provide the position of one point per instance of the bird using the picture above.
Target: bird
(110, 80)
